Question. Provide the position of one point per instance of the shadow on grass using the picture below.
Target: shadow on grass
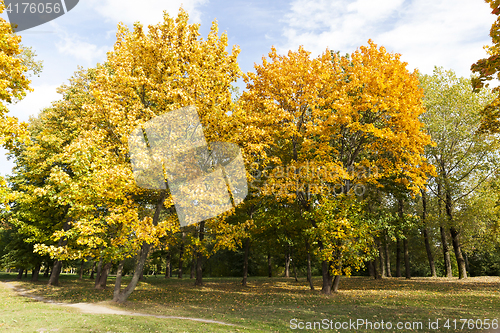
(270, 303)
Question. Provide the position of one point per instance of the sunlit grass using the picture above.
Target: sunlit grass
(269, 304)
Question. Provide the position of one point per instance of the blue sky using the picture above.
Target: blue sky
(448, 33)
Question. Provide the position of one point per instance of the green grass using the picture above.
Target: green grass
(266, 305)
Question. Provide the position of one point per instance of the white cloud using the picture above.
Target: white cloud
(147, 11)
(5, 165)
(447, 33)
(81, 50)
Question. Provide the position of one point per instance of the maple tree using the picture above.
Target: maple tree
(146, 75)
(325, 122)
(487, 69)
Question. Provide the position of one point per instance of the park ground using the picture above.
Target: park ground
(265, 305)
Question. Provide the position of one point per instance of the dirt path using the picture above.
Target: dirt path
(92, 308)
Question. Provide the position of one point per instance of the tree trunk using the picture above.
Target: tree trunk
(46, 273)
(103, 277)
(192, 274)
(168, 272)
(92, 272)
(35, 272)
(446, 252)
(181, 254)
(381, 258)
(378, 268)
(287, 262)
(398, 257)
(293, 266)
(336, 282)
(426, 234)
(56, 269)
(80, 273)
(444, 241)
(376, 271)
(245, 262)
(309, 271)
(327, 278)
(118, 282)
(371, 269)
(387, 255)
(98, 274)
(462, 270)
(407, 259)
(430, 257)
(54, 275)
(199, 256)
(269, 264)
(141, 275)
(121, 296)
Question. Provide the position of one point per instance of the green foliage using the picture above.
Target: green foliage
(345, 231)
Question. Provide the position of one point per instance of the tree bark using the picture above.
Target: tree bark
(398, 257)
(36, 272)
(387, 255)
(168, 272)
(56, 269)
(181, 254)
(54, 275)
(462, 270)
(269, 265)
(336, 282)
(407, 259)
(287, 262)
(20, 274)
(98, 274)
(103, 277)
(327, 278)
(446, 252)
(118, 282)
(430, 257)
(371, 269)
(192, 274)
(92, 272)
(444, 241)
(378, 268)
(80, 273)
(293, 266)
(381, 258)
(46, 273)
(119, 295)
(309, 270)
(199, 256)
(245, 262)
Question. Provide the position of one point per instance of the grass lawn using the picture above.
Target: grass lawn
(266, 305)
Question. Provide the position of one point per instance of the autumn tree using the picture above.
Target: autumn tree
(148, 74)
(487, 69)
(465, 159)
